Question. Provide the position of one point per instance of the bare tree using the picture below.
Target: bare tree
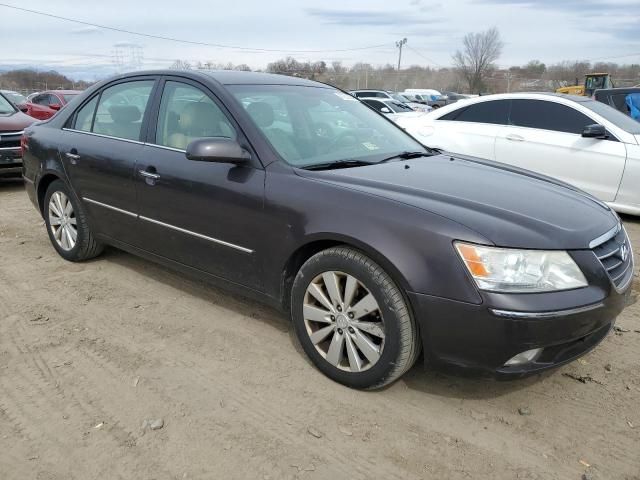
(181, 65)
(476, 60)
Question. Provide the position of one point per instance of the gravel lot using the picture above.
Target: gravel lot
(92, 354)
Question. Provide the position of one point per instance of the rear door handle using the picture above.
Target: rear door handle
(514, 138)
(151, 175)
(72, 156)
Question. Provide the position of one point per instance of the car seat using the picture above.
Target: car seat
(262, 114)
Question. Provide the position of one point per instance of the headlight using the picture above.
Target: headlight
(520, 271)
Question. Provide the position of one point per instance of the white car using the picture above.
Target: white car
(393, 109)
(383, 94)
(575, 139)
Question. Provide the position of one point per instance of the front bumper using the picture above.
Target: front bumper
(483, 337)
(10, 161)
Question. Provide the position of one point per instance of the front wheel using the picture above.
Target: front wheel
(352, 320)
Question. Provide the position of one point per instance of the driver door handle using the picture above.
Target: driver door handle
(151, 175)
(514, 138)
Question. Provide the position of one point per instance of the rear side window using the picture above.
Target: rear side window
(493, 112)
(84, 117)
(121, 109)
(548, 116)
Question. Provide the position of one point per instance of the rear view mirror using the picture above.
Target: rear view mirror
(595, 131)
(220, 150)
(385, 110)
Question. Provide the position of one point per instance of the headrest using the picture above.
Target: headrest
(262, 113)
(199, 115)
(124, 113)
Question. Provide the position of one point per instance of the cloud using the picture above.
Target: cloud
(577, 7)
(88, 30)
(368, 17)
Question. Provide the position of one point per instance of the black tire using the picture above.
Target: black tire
(401, 344)
(86, 245)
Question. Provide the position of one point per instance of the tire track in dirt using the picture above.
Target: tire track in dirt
(253, 409)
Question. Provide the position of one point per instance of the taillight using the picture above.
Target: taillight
(23, 144)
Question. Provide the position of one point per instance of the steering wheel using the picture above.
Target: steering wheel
(345, 139)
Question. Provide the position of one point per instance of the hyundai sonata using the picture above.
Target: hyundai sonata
(378, 247)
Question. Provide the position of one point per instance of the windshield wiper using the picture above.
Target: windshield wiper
(346, 163)
(406, 156)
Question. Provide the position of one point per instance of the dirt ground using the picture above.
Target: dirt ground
(89, 352)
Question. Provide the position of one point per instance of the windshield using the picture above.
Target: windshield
(616, 117)
(69, 96)
(400, 98)
(5, 106)
(16, 97)
(399, 107)
(312, 125)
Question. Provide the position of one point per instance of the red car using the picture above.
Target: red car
(12, 124)
(45, 104)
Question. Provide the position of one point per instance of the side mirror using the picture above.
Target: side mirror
(24, 108)
(55, 106)
(595, 131)
(385, 110)
(219, 150)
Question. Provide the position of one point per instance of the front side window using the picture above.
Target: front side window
(494, 112)
(41, 99)
(121, 109)
(546, 115)
(315, 125)
(187, 113)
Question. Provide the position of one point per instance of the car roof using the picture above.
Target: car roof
(230, 77)
(64, 92)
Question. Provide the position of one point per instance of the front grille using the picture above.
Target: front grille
(616, 257)
(10, 140)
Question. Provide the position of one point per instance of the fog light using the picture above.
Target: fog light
(524, 357)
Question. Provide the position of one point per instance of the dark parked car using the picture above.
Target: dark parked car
(618, 98)
(12, 124)
(377, 246)
(45, 105)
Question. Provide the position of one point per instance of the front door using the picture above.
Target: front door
(546, 137)
(99, 151)
(202, 214)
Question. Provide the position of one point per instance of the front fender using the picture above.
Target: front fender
(413, 245)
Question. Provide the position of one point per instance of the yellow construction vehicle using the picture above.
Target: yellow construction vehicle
(592, 82)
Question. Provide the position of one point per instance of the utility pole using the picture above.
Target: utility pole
(400, 44)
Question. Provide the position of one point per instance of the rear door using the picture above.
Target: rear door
(546, 137)
(99, 150)
(471, 130)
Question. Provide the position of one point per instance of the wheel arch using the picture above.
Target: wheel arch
(321, 242)
(43, 184)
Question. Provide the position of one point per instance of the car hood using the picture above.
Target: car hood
(15, 122)
(510, 207)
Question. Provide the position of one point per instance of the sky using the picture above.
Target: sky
(331, 30)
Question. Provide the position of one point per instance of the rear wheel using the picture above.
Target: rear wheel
(67, 226)
(352, 320)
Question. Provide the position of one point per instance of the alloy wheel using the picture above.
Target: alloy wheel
(343, 321)
(62, 220)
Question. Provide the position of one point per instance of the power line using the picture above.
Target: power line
(423, 56)
(178, 40)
